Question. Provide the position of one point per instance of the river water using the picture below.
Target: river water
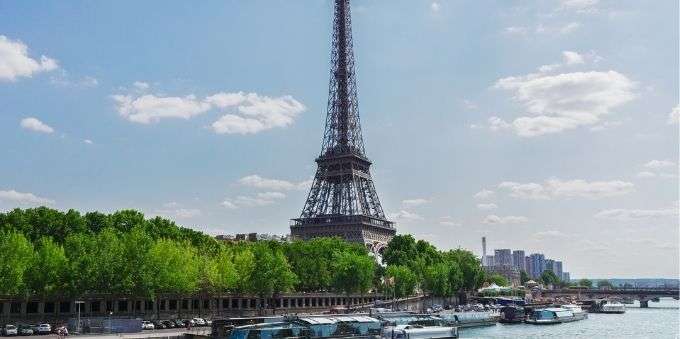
(660, 320)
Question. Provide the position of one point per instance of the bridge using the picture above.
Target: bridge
(644, 295)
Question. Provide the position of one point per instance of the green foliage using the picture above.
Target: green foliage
(523, 277)
(497, 279)
(16, 255)
(404, 280)
(549, 278)
(585, 283)
(353, 273)
(46, 252)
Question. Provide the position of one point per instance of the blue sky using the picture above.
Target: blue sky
(549, 126)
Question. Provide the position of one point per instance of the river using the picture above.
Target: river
(660, 320)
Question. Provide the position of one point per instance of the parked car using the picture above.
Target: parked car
(208, 322)
(178, 323)
(199, 321)
(168, 323)
(42, 329)
(147, 325)
(25, 330)
(188, 322)
(158, 324)
(9, 330)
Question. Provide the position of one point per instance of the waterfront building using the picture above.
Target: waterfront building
(342, 200)
(537, 264)
(518, 260)
(503, 257)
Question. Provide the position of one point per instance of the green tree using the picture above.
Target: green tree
(47, 272)
(16, 255)
(470, 268)
(497, 279)
(523, 277)
(404, 280)
(549, 278)
(585, 283)
(272, 272)
(352, 273)
(604, 284)
(436, 280)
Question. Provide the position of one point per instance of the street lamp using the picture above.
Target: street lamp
(110, 327)
(78, 303)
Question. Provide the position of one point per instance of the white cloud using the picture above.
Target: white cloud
(646, 174)
(674, 115)
(15, 62)
(247, 113)
(659, 164)
(487, 207)
(636, 214)
(448, 221)
(517, 30)
(555, 188)
(563, 101)
(549, 234)
(13, 196)
(88, 141)
(484, 194)
(257, 181)
(229, 205)
(405, 216)
(570, 27)
(572, 58)
(181, 213)
(271, 195)
(255, 113)
(511, 219)
(35, 125)
(150, 108)
(435, 6)
(579, 6)
(64, 79)
(414, 202)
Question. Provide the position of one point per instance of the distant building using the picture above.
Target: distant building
(503, 257)
(528, 265)
(557, 269)
(518, 260)
(252, 237)
(537, 264)
(490, 260)
(484, 261)
(565, 277)
(508, 271)
(549, 265)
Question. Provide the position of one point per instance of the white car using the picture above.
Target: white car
(147, 325)
(42, 329)
(199, 322)
(8, 330)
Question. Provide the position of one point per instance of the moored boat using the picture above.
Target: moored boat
(420, 332)
(549, 316)
(614, 308)
(512, 315)
(578, 312)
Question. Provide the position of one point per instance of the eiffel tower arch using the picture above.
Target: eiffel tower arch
(342, 200)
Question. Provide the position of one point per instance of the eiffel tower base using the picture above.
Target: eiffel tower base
(372, 232)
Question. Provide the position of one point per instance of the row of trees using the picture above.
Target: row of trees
(45, 252)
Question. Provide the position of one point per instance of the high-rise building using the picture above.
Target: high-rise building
(490, 260)
(565, 277)
(342, 200)
(484, 251)
(549, 265)
(502, 257)
(518, 260)
(529, 266)
(557, 269)
(537, 264)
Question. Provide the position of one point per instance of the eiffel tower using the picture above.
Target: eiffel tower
(343, 201)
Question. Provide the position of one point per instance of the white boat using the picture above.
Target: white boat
(549, 316)
(420, 332)
(613, 307)
(577, 311)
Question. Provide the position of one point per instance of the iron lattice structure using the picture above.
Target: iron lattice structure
(343, 201)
